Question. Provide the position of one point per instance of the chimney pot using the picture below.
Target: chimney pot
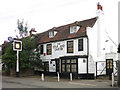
(99, 6)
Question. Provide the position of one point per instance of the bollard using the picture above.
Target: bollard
(42, 77)
(58, 77)
(112, 79)
(70, 76)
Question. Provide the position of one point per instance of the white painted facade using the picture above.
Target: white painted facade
(97, 45)
(101, 47)
(57, 52)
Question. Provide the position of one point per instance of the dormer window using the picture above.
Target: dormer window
(52, 34)
(74, 29)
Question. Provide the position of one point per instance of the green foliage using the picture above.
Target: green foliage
(28, 47)
(35, 59)
(9, 59)
(23, 28)
(29, 57)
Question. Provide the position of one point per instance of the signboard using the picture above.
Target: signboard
(58, 46)
(17, 45)
(10, 39)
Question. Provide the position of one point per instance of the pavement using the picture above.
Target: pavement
(52, 82)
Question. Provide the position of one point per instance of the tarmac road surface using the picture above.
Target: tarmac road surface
(51, 82)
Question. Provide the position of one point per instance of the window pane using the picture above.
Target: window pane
(68, 67)
(73, 67)
(70, 47)
(63, 67)
(80, 45)
(41, 49)
(68, 61)
(73, 60)
(63, 61)
(49, 49)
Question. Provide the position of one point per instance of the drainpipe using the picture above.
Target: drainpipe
(87, 53)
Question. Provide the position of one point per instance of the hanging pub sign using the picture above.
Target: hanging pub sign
(17, 45)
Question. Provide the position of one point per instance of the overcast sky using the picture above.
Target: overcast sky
(46, 14)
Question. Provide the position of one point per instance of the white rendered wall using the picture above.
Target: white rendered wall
(59, 49)
(63, 52)
(82, 66)
(52, 66)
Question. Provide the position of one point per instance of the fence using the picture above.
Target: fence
(101, 68)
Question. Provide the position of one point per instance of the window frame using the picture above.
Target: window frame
(70, 47)
(81, 44)
(47, 49)
(67, 67)
(41, 49)
(51, 34)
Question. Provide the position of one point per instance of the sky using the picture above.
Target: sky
(46, 14)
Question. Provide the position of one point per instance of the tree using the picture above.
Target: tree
(9, 59)
(29, 56)
(28, 49)
(35, 59)
(23, 29)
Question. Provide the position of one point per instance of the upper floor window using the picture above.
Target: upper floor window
(74, 29)
(70, 47)
(52, 34)
(80, 45)
(41, 49)
(49, 49)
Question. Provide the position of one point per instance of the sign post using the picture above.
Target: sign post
(17, 66)
(17, 46)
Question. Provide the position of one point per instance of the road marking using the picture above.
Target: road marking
(81, 84)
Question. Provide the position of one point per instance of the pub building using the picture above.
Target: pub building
(82, 48)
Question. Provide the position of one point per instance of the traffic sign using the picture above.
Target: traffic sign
(10, 39)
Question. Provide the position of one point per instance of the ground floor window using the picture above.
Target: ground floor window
(69, 65)
(46, 66)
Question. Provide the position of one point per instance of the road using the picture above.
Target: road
(51, 82)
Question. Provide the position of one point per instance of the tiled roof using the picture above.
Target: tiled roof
(63, 32)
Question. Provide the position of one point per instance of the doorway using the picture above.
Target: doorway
(69, 65)
(109, 66)
(46, 67)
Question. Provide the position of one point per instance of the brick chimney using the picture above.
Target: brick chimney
(99, 7)
(100, 31)
(32, 30)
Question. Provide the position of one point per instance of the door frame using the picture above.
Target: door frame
(66, 74)
(109, 73)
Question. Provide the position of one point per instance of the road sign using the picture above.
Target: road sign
(10, 39)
